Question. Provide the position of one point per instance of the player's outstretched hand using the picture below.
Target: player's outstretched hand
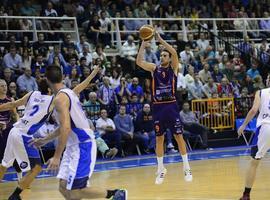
(53, 165)
(37, 142)
(158, 37)
(241, 130)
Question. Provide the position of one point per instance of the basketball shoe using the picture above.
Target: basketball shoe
(160, 176)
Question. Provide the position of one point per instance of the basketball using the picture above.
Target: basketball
(146, 32)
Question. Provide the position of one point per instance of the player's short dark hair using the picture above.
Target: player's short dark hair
(54, 74)
(165, 50)
(43, 86)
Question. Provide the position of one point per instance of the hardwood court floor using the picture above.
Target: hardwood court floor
(217, 179)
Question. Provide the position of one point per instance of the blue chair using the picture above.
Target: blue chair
(251, 127)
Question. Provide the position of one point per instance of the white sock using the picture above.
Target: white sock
(185, 162)
(160, 163)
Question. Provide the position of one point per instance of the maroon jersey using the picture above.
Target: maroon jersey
(5, 116)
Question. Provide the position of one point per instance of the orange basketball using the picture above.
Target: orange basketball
(146, 32)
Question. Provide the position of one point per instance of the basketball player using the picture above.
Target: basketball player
(165, 109)
(261, 141)
(7, 118)
(38, 108)
(78, 141)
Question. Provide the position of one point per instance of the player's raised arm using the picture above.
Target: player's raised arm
(141, 62)
(252, 112)
(62, 104)
(86, 82)
(174, 56)
(14, 104)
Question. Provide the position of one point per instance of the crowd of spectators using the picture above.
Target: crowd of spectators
(204, 72)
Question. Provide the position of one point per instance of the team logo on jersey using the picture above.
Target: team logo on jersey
(23, 165)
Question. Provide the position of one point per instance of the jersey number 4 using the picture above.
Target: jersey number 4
(35, 110)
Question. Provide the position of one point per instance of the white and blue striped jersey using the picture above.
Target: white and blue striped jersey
(81, 131)
(37, 111)
(264, 115)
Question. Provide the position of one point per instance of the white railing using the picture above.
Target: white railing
(68, 25)
(184, 23)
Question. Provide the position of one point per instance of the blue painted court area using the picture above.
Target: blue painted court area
(149, 160)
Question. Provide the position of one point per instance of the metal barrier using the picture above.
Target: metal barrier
(185, 26)
(215, 113)
(41, 25)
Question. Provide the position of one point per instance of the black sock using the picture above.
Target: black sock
(17, 192)
(247, 190)
(110, 193)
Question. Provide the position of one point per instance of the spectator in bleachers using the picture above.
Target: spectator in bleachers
(39, 64)
(57, 53)
(13, 60)
(87, 55)
(202, 43)
(134, 106)
(219, 54)
(236, 87)
(105, 93)
(258, 83)
(8, 76)
(129, 51)
(93, 29)
(26, 82)
(246, 50)
(122, 91)
(99, 53)
(130, 25)
(265, 23)
(12, 90)
(40, 47)
(210, 88)
(189, 77)
(105, 28)
(228, 71)
(72, 65)
(115, 78)
(25, 25)
(216, 74)
(195, 89)
(205, 74)
(222, 63)
(49, 11)
(253, 71)
(25, 45)
(74, 75)
(125, 128)
(192, 125)
(187, 56)
(209, 56)
(106, 127)
(253, 25)
(26, 59)
(92, 107)
(67, 44)
(149, 55)
(248, 83)
(136, 89)
(225, 87)
(83, 42)
(144, 125)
